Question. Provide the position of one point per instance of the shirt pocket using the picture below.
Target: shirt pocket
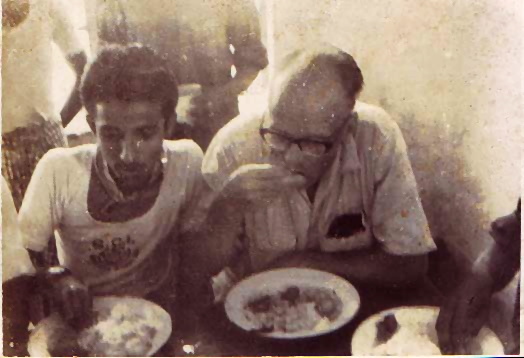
(347, 232)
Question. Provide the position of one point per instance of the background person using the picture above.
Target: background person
(201, 41)
(466, 311)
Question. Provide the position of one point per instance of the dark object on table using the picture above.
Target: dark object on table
(345, 226)
(291, 295)
(262, 304)
(386, 328)
(328, 307)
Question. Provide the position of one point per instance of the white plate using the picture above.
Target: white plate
(37, 345)
(425, 318)
(274, 281)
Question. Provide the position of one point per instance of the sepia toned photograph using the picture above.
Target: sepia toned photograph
(261, 177)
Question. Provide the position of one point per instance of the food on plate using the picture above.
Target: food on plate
(386, 328)
(121, 331)
(407, 342)
(293, 310)
(394, 339)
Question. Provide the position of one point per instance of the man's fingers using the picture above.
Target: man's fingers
(259, 180)
(443, 325)
(77, 302)
(89, 302)
(276, 184)
(461, 324)
(294, 180)
(85, 303)
(66, 304)
(263, 171)
(477, 320)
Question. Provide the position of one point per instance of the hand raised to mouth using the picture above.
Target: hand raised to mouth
(261, 183)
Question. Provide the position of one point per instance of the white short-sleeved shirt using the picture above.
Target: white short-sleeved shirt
(131, 257)
(15, 258)
(27, 62)
(371, 183)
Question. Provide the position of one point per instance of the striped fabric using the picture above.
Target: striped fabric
(21, 151)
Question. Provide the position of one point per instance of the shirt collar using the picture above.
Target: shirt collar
(349, 156)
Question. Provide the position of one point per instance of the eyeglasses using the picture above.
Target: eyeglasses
(282, 143)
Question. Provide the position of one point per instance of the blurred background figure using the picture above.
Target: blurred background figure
(30, 122)
(467, 309)
(17, 273)
(213, 47)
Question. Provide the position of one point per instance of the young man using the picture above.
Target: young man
(201, 40)
(30, 122)
(119, 205)
(466, 311)
(320, 180)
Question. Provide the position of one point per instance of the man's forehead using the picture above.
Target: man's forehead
(128, 113)
(126, 107)
(310, 96)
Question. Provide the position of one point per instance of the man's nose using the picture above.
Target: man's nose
(292, 156)
(129, 151)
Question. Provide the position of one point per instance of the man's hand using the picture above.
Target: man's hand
(222, 284)
(259, 184)
(71, 298)
(463, 315)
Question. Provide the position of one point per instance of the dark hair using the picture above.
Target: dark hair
(129, 73)
(346, 68)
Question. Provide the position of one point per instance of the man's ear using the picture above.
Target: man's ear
(91, 121)
(169, 126)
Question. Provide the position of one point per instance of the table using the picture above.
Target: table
(214, 335)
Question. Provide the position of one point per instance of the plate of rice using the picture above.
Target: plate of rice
(292, 303)
(410, 331)
(123, 327)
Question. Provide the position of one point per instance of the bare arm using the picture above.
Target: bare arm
(66, 36)
(466, 310)
(40, 214)
(501, 260)
(497, 267)
(73, 105)
(250, 55)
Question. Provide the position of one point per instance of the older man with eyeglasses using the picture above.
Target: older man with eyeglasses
(319, 180)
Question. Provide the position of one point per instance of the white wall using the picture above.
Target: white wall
(449, 72)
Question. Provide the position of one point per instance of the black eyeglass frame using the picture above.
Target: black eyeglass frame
(290, 141)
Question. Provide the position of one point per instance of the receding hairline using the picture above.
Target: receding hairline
(300, 60)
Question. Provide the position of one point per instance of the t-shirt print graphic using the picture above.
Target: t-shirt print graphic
(113, 253)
